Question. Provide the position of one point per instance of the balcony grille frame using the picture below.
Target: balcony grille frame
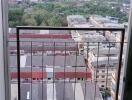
(18, 28)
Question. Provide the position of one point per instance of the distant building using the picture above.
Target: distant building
(112, 22)
(102, 64)
(46, 42)
(75, 19)
(62, 68)
(99, 21)
(34, 0)
(15, 1)
(113, 86)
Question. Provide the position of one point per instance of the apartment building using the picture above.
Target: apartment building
(99, 47)
(80, 36)
(102, 65)
(113, 85)
(99, 21)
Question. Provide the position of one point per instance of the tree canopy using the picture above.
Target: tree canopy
(54, 14)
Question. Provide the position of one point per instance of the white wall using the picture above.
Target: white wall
(2, 84)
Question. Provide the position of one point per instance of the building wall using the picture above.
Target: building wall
(103, 76)
(57, 75)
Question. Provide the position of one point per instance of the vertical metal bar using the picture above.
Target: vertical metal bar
(120, 64)
(107, 69)
(5, 54)
(18, 65)
(75, 72)
(96, 73)
(42, 67)
(85, 93)
(31, 69)
(64, 73)
(127, 67)
(53, 71)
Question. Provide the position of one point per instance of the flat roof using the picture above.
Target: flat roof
(58, 60)
(67, 91)
(85, 25)
(104, 60)
(106, 51)
(51, 69)
(13, 60)
(42, 36)
(70, 60)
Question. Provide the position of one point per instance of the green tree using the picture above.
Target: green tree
(55, 21)
(30, 22)
(41, 15)
(15, 16)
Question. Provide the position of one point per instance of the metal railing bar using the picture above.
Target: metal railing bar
(120, 64)
(67, 28)
(66, 42)
(85, 93)
(31, 71)
(64, 73)
(107, 72)
(53, 71)
(52, 28)
(18, 64)
(96, 74)
(75, 74)
(42, 69)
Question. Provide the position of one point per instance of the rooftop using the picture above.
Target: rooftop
(104, 61)
(104, 51)
(70, 60)
(42, 36)
(85, 25)
(61, 91)
(76, 19)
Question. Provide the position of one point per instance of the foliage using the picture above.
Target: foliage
(30, 22)
(105, 93)
(54, 14)
(15, 16)
(55, 21)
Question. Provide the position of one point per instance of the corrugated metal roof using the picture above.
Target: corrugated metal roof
(69, 60)
(58, 60)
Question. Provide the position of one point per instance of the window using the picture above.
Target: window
(103, 71)
(97, 76)
(83, 79)
(102, 85)
(103, 76)
(78, 78)
(34, 78)
(102, 65)
(49, 78)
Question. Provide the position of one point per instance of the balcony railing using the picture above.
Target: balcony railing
(74, 68)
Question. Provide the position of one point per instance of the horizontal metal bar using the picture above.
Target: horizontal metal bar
(64, 42)
(67, 28)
